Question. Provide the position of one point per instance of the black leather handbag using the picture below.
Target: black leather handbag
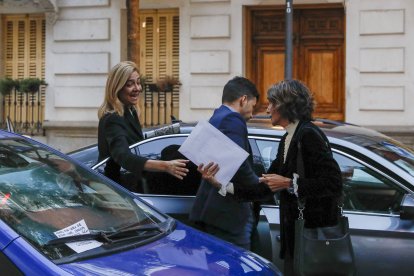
(322, 250)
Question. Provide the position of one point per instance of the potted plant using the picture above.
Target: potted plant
(167, 83)
(6, 86)
(31, 85)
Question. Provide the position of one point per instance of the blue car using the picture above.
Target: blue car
(61, 218)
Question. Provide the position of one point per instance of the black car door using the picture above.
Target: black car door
(165, 192)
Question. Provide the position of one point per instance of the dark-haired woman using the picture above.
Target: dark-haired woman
(290, 106)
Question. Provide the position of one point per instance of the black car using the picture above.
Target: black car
(378, 177)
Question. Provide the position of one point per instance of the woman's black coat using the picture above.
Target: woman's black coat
(115, 135)
(321, 186)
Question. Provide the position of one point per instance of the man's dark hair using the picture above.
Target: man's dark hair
(237, 87)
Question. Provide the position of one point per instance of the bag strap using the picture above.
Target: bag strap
(301, 170)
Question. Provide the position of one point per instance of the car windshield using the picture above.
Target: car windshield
(45, 198)
(397, 153)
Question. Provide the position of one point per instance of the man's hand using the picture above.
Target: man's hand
(208, 173)
(275, 182)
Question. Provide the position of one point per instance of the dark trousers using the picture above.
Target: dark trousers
(288, 264)
(242, 239)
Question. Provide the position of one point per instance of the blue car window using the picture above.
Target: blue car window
(366, 189)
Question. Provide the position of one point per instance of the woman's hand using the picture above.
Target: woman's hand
(276, 182)
(177, 168)
(208, 173)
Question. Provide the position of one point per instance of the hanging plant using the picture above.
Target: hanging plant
(31, 85)
(167, 83)
(6, 86)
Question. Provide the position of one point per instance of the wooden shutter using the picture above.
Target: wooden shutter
(24, 57)
(159, 57)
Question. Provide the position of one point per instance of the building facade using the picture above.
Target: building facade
(355, 55)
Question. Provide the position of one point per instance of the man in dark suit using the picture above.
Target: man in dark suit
(226, 216)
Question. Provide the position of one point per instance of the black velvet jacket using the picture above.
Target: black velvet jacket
(321, 186)
(115, 134)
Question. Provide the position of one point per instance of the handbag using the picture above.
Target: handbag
(322, 250)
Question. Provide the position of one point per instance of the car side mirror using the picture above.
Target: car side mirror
(407, 207)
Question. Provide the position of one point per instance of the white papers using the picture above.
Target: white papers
(79, 228)
(208, 144)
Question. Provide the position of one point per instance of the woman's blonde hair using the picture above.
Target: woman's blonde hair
(117, 78)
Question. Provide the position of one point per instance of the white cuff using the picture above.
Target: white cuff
(229, 188)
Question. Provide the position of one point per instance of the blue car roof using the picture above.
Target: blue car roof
(6, 134)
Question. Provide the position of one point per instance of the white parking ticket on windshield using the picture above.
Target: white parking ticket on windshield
(208, 144)
(78, 228)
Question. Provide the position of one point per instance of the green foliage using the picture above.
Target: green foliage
(31, 85)
(6, 86)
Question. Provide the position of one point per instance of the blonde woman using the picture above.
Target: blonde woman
(119, 127)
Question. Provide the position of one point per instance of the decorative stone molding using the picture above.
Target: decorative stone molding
(29, 6)
(209, 62)
(51, 18)
(384, 98)
(382, 60)
(374, 22)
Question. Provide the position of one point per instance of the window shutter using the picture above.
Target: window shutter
(24, 44)
(159, 58)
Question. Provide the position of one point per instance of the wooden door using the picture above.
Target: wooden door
(318, 57)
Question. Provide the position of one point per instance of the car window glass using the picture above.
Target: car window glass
(367, 190)
(88, 156)
(42, 194)
(163, 183)
(397, 153)
(258, 164)
(268, 150)
(152, 149)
